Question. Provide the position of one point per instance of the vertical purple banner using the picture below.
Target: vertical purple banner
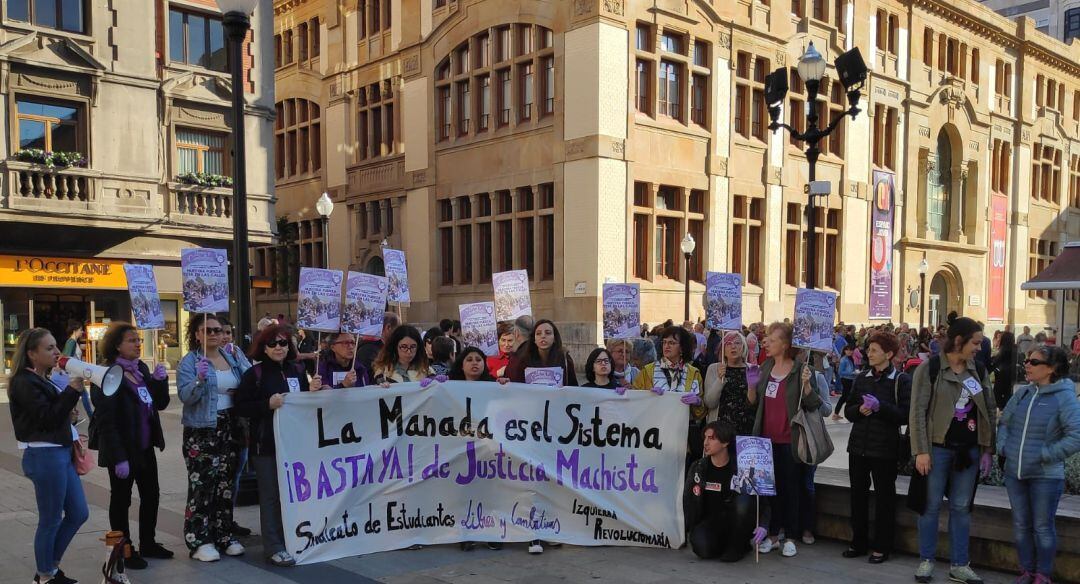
(881, 246)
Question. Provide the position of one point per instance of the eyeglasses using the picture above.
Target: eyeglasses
(670, 343)
(1035, 362)
(213, 330)
(348, 343)
(603, 361)
(277, 343)
(407, 348)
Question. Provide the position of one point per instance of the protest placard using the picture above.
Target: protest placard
(145, 301)
(754, 467)
(549, 376)
(622, 311)
(478, 326)
(723, 304)
(511, 295)
(815, 312)
(369, 471)
(365, 304)
(318, 305)
(397, 273)
(205, 273)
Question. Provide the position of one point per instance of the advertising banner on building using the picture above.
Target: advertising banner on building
(511, 295)
(622, 311)
(370, 471)
(365, 304)
(723, 301)
(145, 301)
(815, 313)
(318, 307)
(881, 246)
(206, 279)
(995, 301)
(397, 272)
(25, 271)
(478, 326)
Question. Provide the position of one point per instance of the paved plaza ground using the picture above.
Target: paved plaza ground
(820, 562)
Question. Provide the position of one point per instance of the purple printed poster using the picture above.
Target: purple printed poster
(319, 305)
(881, 246)
(511, 295)
(365, 304)
(552, 376)
(205, 273)
(723, 304)
(815, 313)
(145, 302)
(397, 272)
(622, 311)
(478, 327)
(753, 467)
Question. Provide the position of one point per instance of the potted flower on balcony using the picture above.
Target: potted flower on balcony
(205, 179)
(51, 159)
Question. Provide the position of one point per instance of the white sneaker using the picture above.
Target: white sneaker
(206, 553)
(789, 550)
(234, 549)
(535, 548)
(767, 545)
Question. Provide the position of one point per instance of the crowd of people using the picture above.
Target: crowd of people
(947, 398)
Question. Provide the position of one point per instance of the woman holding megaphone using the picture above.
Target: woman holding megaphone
(125, 431)
(40, 414)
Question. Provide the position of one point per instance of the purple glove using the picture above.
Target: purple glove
(426, 382)
(963, 412)
(753, 374)
(871, 402)
(159, 372)
(122, 470)
(759, 535)
(441, 378)
(620, 389)
(202, 369)
(691, 399)
(986, 464)
(658, 390)
(230, 349)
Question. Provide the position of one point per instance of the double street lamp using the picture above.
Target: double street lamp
(688, 244)
(237, 22)
(851, 70)
(325, 206)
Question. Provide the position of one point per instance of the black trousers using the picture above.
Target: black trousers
(144, 473)
(861, 470)
(726, 536)
(790, 482)
(845, 385)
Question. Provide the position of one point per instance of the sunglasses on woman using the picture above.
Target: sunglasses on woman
(277, 343)
(1035, 362)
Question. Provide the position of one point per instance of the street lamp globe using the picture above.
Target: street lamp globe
(324, 206)
(924, 267)
(245, 7)
(811, 65)
(688, 244)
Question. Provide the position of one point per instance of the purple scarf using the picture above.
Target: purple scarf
(131, 366)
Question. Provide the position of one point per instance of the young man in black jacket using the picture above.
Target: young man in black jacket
(720, 521)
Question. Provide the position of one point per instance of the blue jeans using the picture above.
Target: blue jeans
(961, 485)
(61, 504)
(1034, 503)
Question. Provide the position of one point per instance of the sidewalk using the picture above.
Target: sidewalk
(820, 562)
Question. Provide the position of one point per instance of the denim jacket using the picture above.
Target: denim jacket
(200, 397)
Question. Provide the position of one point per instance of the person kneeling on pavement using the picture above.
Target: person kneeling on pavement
(720, 521)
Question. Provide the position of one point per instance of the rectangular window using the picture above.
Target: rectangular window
(644, 101)
(465, 234)
(485, 104)
(388, 138)
(66, 15)
(199, 151)
(48, 126)
(798, 8)
(483, 51)
(444, 113)
(670, 87)
(527, 235)
(547, 106)
(485, 260)
(376, 132)
(547, 196)
(525, 40)
(667, 242)
(672, 43)
(641, 194)
(362, 134)
(302, 41)
(747, 224)
(526, 91)
(199, 40)
(667, 198)
(506, 245)
(313, 27)
(701, 54)
(503, 44)
(504, 97)
(642, 41)
(547, 243)
(696, 229)
(446, 246)
(698, 95)
(464, 107)
(641, 246)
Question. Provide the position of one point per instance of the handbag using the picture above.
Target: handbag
(81, 456)
(809, 437)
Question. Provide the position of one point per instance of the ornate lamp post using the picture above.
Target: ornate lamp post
(688, 244)
(325, 207)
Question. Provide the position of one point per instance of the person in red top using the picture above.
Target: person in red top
(782, 383)
(496, 364)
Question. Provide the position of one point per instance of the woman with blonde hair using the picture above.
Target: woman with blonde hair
(622, 370)
(726, 382)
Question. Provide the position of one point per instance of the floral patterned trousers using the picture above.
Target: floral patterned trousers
(210, 455)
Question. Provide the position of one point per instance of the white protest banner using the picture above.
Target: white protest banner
(370, 471)
(511, 295)
(549, 376)
(365, 304)
(622, 311)
(815, 313)
(723, 304)
(478, 326)
(397, 272)
(754, 464)
(206, 279)
(318, 306)
(145, 302)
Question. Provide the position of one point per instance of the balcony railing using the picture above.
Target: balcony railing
(192, 203)
(29, 181)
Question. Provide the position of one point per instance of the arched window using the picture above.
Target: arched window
(939, 187)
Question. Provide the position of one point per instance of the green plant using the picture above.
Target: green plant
(51, 159)
(205, 179)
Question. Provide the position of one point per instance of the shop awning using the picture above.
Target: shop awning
(1062, 274)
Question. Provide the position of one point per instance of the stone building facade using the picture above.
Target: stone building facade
(581, 139)
(140, 90)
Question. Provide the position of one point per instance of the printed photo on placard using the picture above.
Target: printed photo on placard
(622, 311)
(145, 301)
(723, 305)
(754, 467)
(511, 295)
(318, 307)
(365, 304)
(205, 273)
(397, 272)
(478, 327)
(815, 314)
